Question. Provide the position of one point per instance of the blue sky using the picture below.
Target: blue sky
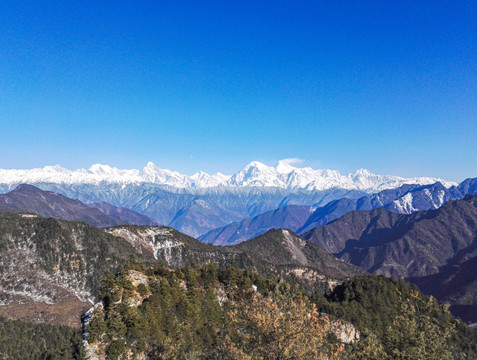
(390, 86)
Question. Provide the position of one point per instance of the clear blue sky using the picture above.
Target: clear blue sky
(390, 86)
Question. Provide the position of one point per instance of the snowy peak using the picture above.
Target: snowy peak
(151, 173)
(256, 174)
(283, 175)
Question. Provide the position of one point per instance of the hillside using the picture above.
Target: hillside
(189, 313)
(51, 270)
(28, 198)
(278, 252)
(207, 312)
(402, 245)
(395, 318)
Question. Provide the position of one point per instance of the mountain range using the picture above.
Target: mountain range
(191, 204)
(433, 248)
(255, 174)
(419, 231)
(51, 269)
(403, 200)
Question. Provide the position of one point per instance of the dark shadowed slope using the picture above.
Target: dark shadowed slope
(28, 198)
(436, 250)
(456, 284)
(402, 245)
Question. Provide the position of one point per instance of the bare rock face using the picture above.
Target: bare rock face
(97, 351)
(137, 277)
(160, 241)
(345, 332)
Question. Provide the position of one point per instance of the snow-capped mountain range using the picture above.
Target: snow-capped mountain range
(255, 174)
(199, 203)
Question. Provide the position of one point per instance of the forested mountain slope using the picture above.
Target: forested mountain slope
(51, 270)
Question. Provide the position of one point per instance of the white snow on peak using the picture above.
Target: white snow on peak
(283, 175)
(285, 166)
(222, 177)
(151, 173)
(202, 179)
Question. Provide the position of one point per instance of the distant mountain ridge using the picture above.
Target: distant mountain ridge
(255, 174)
(180, 207)
(123, 215)
(28, 198)
(403, 246)
(403, 200)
